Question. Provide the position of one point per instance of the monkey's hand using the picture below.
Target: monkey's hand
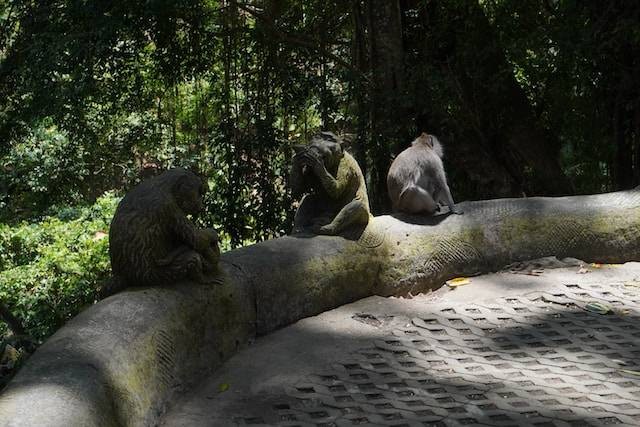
(326, 230)
(316, 164)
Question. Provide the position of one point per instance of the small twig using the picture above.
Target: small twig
(295, 39)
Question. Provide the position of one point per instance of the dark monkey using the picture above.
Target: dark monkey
(416, 181)
(336, 193)
(151, 240)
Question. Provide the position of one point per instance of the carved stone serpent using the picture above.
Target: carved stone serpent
(121, 361)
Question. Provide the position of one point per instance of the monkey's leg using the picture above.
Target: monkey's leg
(353, 213)
(310, 208)
(210, 258)
(415, 199)
(445, 198)
(182, 263)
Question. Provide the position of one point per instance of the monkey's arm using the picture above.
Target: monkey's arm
(335, 187)
(445, 195)
(189, 235)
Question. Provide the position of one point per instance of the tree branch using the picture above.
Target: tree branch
(295, 39)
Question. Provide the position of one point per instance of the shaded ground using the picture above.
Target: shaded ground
(507, 349)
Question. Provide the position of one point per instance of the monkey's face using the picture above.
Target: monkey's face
(329, 152)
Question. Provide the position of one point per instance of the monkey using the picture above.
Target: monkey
(416, 181)
(336, 194)
(152, 242)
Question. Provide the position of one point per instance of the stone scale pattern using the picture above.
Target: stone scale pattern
(537, 360)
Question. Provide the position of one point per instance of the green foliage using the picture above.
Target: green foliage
(51, 270)
(91, 91)
(41, 169)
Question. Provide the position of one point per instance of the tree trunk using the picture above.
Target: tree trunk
(388, 115)
(623, 167)
(492, 108)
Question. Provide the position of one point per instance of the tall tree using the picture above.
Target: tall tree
(389, 120)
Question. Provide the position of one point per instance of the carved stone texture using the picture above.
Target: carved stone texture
(152, 242)
(336, 195)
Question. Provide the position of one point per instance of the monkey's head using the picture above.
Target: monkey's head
(325, 146)
(187, 189)
(428, 141)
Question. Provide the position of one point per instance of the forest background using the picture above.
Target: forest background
(529, 98)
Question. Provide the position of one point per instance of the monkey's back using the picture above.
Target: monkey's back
(140, 234)
(414, 165)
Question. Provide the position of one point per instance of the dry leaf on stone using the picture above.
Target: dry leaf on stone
(458, 281)
(527, 272)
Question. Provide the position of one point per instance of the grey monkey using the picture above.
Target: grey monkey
(416, 180)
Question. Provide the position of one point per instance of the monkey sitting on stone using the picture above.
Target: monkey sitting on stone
(151, 240)
(336, 196)
(416, 181)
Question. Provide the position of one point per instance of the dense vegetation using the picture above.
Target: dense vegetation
(529, 98)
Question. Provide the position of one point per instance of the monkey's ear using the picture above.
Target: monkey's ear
(298, 148)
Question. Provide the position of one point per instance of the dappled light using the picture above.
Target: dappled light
(528, 359)
(319, 213)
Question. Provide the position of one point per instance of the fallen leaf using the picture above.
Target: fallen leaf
(527, 273)
(367, 318)
(99, 236)
(632, 283)
(458, 281)
(223, 387)
(583, 270)
(596, 265)
(597, 307)
(628, 371)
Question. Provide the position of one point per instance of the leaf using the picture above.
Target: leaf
(628, 371)
(458, 281)
(223, 387)
(99, 236)
(597, 307)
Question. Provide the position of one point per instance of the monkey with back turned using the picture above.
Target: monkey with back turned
(416, 181)
(152, 242)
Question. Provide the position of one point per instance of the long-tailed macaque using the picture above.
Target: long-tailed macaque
(416, 181)
(336, 192)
